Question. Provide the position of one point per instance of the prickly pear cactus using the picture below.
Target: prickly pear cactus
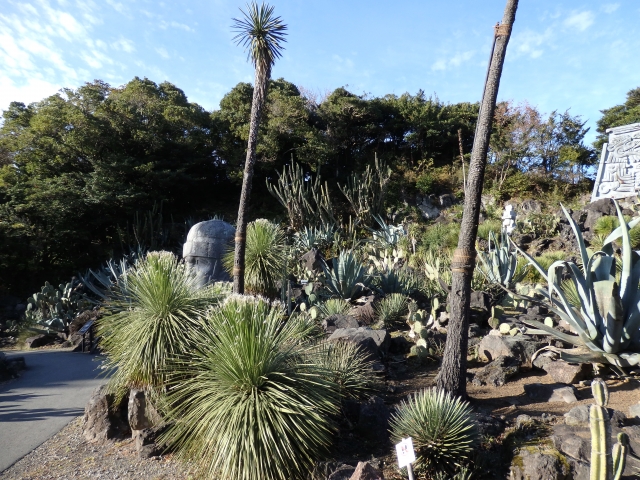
(55, 308)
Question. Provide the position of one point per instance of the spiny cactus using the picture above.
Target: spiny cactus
(605, 465)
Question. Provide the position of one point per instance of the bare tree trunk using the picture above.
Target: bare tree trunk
(453, 372)
(259, 94)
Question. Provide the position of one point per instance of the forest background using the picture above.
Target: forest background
(91, 173)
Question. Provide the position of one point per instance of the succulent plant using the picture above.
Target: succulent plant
(391, 309)
(441, 426)
(55, 308)
(499, 263)
(605, 466)
(607, 316)
(347, 278)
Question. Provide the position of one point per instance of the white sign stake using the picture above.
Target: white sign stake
(406, 455)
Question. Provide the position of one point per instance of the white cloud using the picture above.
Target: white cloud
(162, 52)
(118, 7)
(174, 24)
(610, 7)
(124, 45)
(530, 43)
(455, 61)
(31, 90)
(580, 20)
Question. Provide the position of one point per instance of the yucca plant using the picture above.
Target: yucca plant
(607, 315)
(265, 257)
(348, 277)
(392, 310)
(159, 311)
(500, 263)
(442, 427)
(333, 306)
(347, 366)
(247, 402)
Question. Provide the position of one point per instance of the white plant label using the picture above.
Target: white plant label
(405, 452)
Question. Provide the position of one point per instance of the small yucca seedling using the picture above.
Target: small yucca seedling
(441, 426)
(392, 310)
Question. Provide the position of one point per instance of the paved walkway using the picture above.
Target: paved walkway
(51, 392)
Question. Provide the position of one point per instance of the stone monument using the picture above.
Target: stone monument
(207, 242)
(619, 170)
(508, 220)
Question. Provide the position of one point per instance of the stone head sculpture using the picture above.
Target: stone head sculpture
(206, 244)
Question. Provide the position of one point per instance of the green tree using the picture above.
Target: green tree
(80, 163)
(262, 35)
(625, 114)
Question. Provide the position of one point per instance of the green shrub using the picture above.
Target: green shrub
(607, 224)
(348, 367)
(265, 257)
(333, 306)
(440, 236)
(488, 226)
(425, 183)
(392, 309)
(159, 311)
(545, 261)
(441, 426)
(246, 404)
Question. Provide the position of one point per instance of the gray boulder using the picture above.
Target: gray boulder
(366, 471)
(634, 410)
(39, 340)
(555, 392)
(564, 372)
(141, 413)
(375, 342)
(104, 420)
(343, 472)
(520, 347)
(363, 310)
(333, 322)
(497, 372)
(312, 260)
(534, 464)
(577, 416)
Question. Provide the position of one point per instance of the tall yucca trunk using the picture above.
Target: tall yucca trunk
(259, 95)
(452, 376)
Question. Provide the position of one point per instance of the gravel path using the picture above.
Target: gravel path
(67, 455)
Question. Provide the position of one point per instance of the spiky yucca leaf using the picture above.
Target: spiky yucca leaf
(265, 257)
(158, 313)
(246, 404)
(441, 426)
(347, 366)
(333, 306)
(391, 310)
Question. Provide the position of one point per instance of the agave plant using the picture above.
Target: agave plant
(347, 278)
(247, 402)
(499, 263)
(158, 314)
(388, 236)
(314, 237)
(606, 312)
(442, 428)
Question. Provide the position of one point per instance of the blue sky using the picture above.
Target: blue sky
(579, 55)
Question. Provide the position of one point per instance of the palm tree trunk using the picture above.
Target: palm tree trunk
(259, 94)
(453, 372)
